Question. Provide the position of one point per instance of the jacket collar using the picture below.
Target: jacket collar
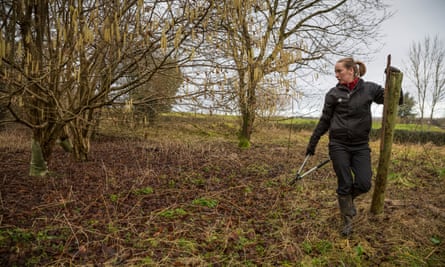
(352, 84)
(357, 87)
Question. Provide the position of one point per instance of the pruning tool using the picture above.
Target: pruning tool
(301, 175)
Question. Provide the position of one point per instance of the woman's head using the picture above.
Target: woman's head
(347, 69)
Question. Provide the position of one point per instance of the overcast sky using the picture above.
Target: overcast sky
(413, 21)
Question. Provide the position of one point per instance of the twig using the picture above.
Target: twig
(1, 202)
(72, 230)
(50, 205)
(106, 175)
(431, 253)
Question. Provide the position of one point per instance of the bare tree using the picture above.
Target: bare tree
(262, 45)
(426, 69)
(64, 60)
(438, 87)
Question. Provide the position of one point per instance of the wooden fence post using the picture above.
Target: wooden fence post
(393, 86)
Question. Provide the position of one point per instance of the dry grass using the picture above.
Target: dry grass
(183, 194)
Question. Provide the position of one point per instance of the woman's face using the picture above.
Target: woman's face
(343, 75)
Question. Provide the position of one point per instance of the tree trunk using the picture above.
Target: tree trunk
(65, 142)
(248, 101)
(80, 132)
(81, 144)
(42, 145)
(38, 165)
(246, 128)
(248, 110)
(392, 95)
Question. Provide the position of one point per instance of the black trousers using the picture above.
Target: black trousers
(352, 165)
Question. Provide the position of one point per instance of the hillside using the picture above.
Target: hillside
(182, 194)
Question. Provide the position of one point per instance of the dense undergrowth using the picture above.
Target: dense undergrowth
(182, 194)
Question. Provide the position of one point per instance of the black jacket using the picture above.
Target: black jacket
(347, 114)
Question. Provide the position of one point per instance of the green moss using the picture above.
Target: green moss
(243, 143)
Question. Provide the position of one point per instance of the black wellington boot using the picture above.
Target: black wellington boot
(354, 195)
(347, 212)
(354, 209)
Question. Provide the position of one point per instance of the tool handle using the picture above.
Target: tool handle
(304, 163)
(315, 168)
(323, 163)
(300, 176)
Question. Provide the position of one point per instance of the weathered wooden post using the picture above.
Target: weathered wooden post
(393, 86)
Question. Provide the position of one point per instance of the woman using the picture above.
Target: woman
(347, 116)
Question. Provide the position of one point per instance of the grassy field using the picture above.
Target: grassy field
(182, 193)
(415, 127)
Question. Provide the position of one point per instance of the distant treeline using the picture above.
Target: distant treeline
(408, 136)
(400, 135)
